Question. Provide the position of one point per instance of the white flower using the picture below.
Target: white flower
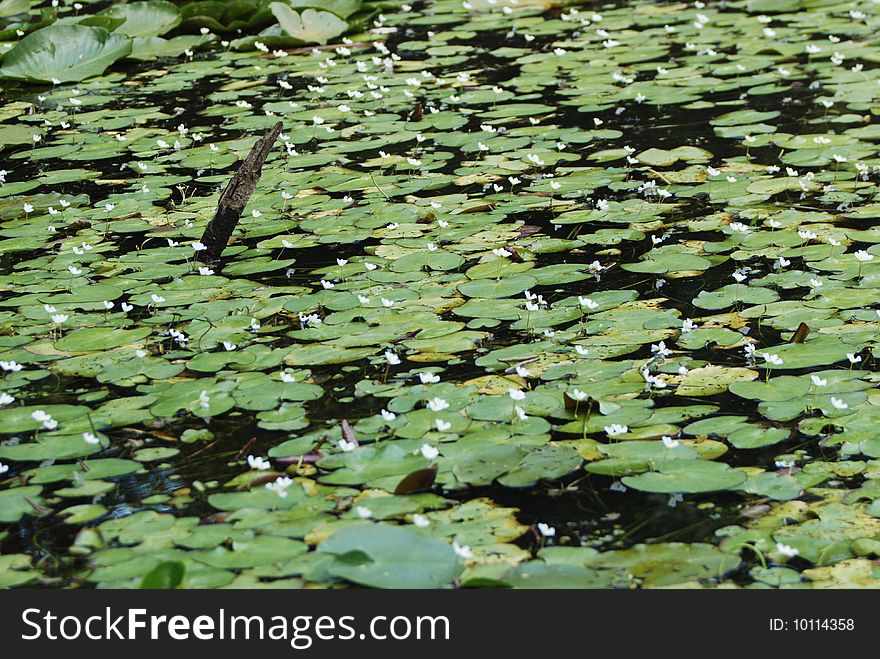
(429, 452)
(59, 318)
(429, 378)
(204, 400)
(838, 403)
(205, 272)
(516, 394)
(391, 358)
(279, 485)
(387, 303)
(688, 326)
(229, 345)
(546, 530)
(862, 255)
(3, 468)
(616, 429)
(776, 360)
(90, 438)
(655, 381)
(256, 462)
(819, 382)
(326, 284)
(140, 354)
(6, 399)
(39, 416)
(198, 247)
(578, 395)
(437, 404)
(785, 550)
(74, 270)
(126, 307)
(668, 442)
(388, 416)
(346, 446)
(442, 426)
(660, 349)
(503, 253)
(12, 366)
(588, 303)
(462, 551)
(363, 512)
(157, 298)
(522, 371)
(581, 350)
(286, 377)
(853, 359)
(420, 521)
(309, 320)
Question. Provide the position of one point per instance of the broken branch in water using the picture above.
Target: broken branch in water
(235, 198)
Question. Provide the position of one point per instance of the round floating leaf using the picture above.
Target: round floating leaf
(15, 570)
(164, 576)
(68, 53)
(495, 288)
(537, 574)
(382, 556)
(308, 26)
(100, 338)
(711, 380)
(145, 19)
(687, 476)
(666, 564)
(342, 8)
(19, 501)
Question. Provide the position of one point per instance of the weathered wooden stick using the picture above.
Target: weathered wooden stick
(235, 198)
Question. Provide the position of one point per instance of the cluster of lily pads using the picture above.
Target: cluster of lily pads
(530, 294)
(65, 43)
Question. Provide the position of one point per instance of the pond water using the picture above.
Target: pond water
(529, 294)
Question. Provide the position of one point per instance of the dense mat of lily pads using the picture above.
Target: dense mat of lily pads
(611, 269)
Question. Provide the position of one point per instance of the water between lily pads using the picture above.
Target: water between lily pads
(582, 508)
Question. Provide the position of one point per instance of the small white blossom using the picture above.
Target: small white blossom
(546, 530)
(256, 462)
